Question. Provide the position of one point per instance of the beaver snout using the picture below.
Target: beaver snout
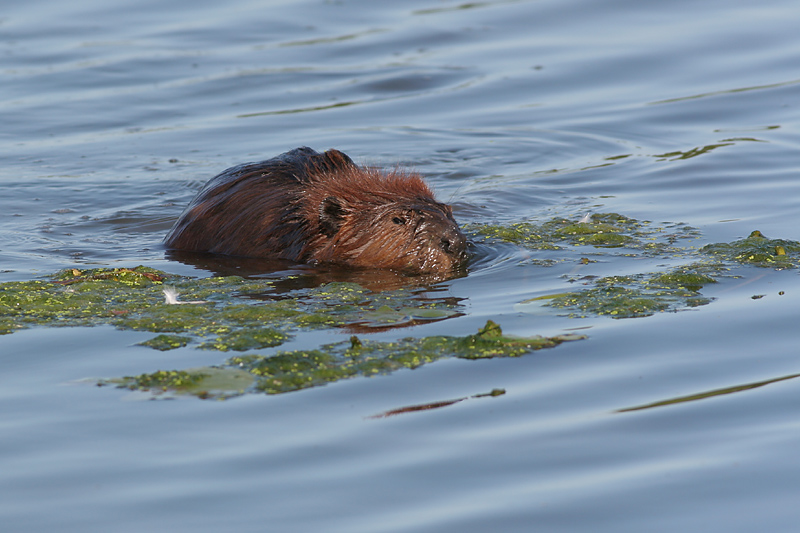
(454, 243)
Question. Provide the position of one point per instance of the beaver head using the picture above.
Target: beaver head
(367, 218)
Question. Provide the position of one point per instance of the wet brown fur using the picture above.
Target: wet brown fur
(310, 207)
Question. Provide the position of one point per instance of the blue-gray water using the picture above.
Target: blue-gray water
(112, 115)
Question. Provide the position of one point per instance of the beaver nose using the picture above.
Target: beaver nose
(454, 242)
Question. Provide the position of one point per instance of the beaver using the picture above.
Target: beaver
(311, 207)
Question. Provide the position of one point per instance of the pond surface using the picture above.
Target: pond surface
(114, 115)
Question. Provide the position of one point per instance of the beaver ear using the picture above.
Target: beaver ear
(335, 160)
(331, 216)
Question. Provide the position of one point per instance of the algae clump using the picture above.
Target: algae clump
(166, 342)
(758, 250)
(204, 382)
(294, 370)
(638, 296)
(600, 230)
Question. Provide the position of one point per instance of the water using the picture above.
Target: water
(114, 115)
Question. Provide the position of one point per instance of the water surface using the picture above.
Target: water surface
(114, 115)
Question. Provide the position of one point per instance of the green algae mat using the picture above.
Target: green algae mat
(237, 315)
(232, 314)
(219, 313)
(642, 294)
(287, 371)
(600, 230)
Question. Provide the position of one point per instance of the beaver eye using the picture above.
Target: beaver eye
(399, 221)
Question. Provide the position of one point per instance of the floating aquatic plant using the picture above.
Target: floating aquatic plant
(599, 230)
(219, 313)
(636, 296)
(757, 250)
(293, 370)
(204, 382)
(238, 315)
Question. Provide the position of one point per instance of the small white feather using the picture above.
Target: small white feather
(171, 297)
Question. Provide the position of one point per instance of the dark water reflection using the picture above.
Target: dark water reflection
(289, 275)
